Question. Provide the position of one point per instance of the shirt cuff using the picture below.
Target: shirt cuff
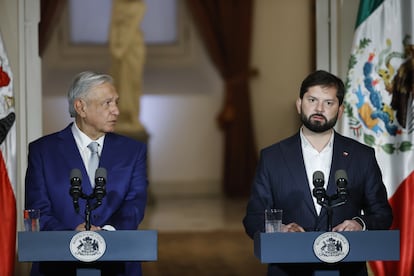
(361, 222)
(108, 228)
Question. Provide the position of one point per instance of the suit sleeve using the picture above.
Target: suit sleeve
(260, 199)
(36, 192)
(131, 211)
(377, 210)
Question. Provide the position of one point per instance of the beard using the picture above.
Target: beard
(318, 126)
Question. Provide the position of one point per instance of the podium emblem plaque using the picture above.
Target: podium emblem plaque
(331, 247)
(87, 246)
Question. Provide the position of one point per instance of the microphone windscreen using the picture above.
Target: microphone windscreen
(100, 173)
(75, 173)
(341, 174)
(318, 179)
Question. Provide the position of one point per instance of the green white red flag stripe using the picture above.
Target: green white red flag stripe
(379, 110)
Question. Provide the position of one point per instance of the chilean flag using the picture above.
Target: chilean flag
(379, 110)
(7, 167)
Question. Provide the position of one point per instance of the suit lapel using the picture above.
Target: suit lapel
(109, 151)
(70, 152)
(340, 161)
(292, 150)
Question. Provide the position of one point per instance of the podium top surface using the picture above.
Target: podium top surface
(122, 245)
(298, 247)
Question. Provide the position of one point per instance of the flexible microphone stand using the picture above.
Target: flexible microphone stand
(98, 194)
(327, 202)
(89, 208)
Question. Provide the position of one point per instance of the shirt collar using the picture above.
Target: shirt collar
(83, 140)
(306, 144)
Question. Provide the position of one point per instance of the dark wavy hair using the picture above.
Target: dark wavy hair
(324, 79)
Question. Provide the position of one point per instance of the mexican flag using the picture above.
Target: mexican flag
(7, 167)
(379, 110)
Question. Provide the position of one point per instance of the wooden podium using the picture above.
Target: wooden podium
(139, 245)
(298, 247)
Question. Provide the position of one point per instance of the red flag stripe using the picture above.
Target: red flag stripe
(402, 203)
(8, 235)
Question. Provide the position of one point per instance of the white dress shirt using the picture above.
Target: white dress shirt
(82, 141)
(316, 161)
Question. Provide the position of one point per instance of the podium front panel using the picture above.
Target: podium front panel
(298, 247)
(122, 245)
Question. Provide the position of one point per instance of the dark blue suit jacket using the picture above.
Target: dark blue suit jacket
(281, 182)
(51, 159)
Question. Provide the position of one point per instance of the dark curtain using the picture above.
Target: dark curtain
(50, 11)
(226, 28)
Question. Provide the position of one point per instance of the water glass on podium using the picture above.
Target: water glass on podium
(273, 220)
(31, 220)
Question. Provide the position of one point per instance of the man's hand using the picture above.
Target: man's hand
(82, 227)
(348, 225)
(292, 227)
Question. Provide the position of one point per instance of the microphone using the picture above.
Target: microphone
(341, 179)
(100, 185)
(318, 182)
(75, 187)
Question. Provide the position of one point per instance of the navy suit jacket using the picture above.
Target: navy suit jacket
(50, 161)
(281, 182)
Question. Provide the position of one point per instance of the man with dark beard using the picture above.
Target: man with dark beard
(284, 176)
